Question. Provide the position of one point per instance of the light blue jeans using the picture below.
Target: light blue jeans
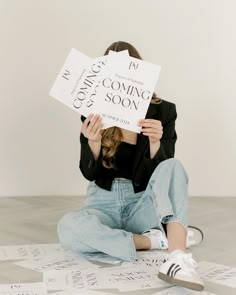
(109, 219)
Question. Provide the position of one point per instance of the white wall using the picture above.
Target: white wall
(193, 40)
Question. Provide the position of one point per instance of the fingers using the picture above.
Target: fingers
(151, 128)
(87, 120)
(151, 131)
(153, 121)
(97, 126)
(93, 123)
(150, 123)
(92, 126)
(97, 134)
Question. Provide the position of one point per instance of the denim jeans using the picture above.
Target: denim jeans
(109, 219)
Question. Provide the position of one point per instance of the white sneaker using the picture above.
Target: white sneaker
(194, 236)
(180, 270)
(159, 241)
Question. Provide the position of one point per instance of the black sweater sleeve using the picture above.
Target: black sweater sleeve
(167, 147)
(88, 165)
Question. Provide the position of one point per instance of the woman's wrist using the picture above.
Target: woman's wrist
(154, 147)
(95, 147)
(94, 142)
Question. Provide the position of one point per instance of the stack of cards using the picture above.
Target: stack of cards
(116, 86)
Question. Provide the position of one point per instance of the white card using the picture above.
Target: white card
(81, 292)
(132, 278)
(181, 291)
(125, 90)
(70, 75)
(57, 263)
(142, 285)
(29, 251)
(150, 260)
(23, 289)
(76, 279)
(117, 86)
(64, 279)
(77, 82)
(217, 273)
(85, 92)
(102, 257)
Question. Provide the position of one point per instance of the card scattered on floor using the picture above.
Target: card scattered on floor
(28, 251)
(69, 273)
(181, 291)
(101, 257)
(218, 274)
(57, 263)
(87, 292)
(23, 289)
(150, 260)
(74, 279)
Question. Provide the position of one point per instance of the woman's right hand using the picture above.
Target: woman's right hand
(91, 128)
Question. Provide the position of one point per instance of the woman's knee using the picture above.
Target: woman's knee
(77, 222)
(172, 162)
(180, 170)
(175, 166)
(68, 223)
(69, 231)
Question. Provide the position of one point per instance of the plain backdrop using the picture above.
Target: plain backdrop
(193, 40)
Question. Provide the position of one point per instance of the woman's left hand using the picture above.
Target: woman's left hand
(151, 128)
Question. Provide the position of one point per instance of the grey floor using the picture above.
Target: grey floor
(31, 220)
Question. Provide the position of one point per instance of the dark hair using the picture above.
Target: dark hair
(120, 46)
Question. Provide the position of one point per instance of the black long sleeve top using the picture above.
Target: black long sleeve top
(143, 166)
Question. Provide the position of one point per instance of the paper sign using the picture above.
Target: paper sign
(181, 291)
(69, 76)
(151, 260)
(87, 292)
(125, 91)
(23, 289)
(78, 80)
(64, 279)
(76, 279)
(217, 273)
(117, 86)
(101, 257)
(132, 278)
(57, 263)
(29, 251)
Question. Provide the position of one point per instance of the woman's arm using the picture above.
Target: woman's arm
(169, 137)
(165, 148)
(91, 153)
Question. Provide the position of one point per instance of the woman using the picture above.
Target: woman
(137, 194)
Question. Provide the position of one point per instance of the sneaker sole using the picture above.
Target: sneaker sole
(180, 283)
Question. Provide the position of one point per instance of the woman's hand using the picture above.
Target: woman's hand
(151, 128)
(92, 127)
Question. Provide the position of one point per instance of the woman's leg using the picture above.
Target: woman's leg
(98, 227)
(141, 242)
(163, 206)
(91, 230)
(168, 187)
(176, 235)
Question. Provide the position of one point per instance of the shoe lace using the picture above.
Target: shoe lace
(189, 262)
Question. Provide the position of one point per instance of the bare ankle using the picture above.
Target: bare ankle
(141, 242)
